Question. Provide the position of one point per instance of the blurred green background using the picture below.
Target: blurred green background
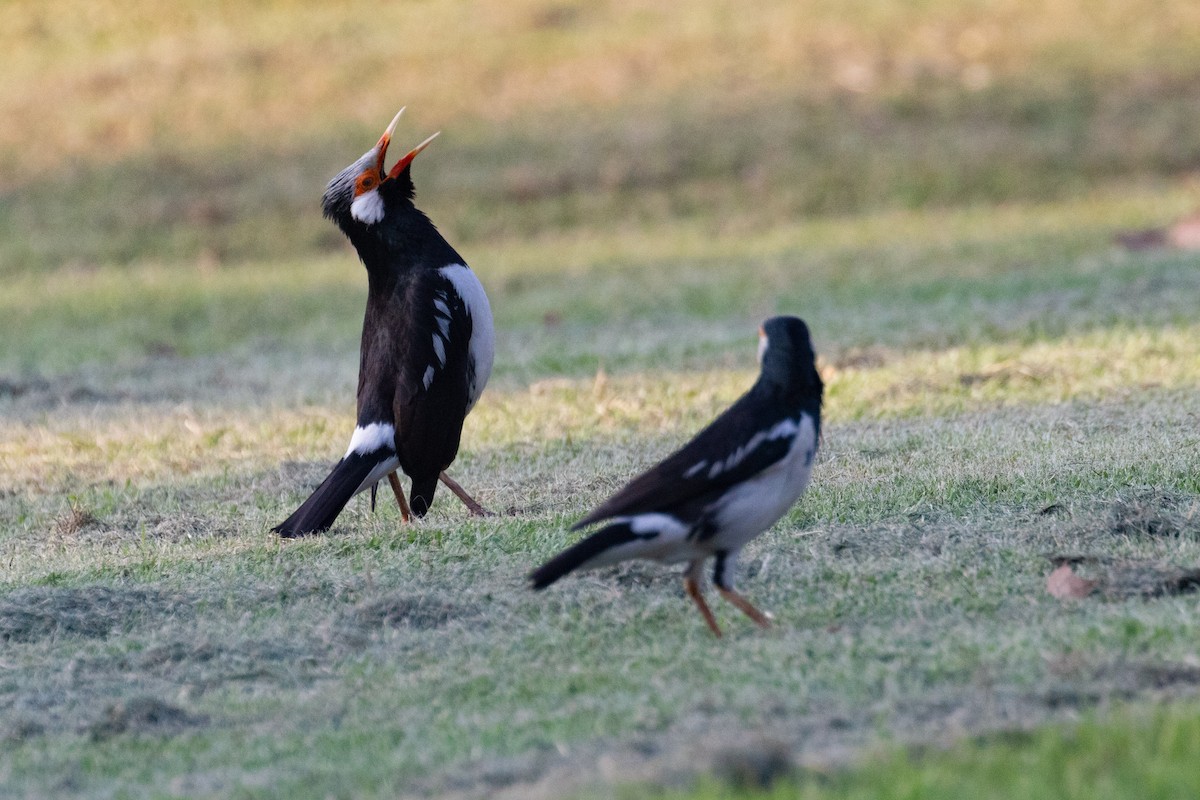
(201, 133)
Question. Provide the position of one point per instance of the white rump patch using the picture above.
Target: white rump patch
(786, 427)
(662, 537)
(367, 208)
(376, 436)
(482, 349)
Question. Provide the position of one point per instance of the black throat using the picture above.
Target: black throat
(404, 240)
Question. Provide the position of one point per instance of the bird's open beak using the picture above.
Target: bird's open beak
(403, 163)
(382, 145)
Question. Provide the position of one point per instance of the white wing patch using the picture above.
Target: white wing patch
(654, 524)
(695, 469)
(786, 427)
(441, 337)
(376, 436)
(367, 208)
(482, 348)
(439, 349)
(442, 313)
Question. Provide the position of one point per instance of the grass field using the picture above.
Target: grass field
(934, 186)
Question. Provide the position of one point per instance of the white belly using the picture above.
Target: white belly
(758, 503)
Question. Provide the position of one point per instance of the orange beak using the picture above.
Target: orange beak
(385, 140)
(382, 146)
(403, 163)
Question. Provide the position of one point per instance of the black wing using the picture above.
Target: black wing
(748, 438)
(413, 371)
(433, 389)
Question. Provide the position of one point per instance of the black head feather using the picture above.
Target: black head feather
(788, 358)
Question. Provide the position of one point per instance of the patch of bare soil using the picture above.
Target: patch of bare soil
(860, 358)
(403, 610)
(204, 664)
(1121, 579)
(1153, 513)
(142, 715)
(75, 520)
(1143, 515)
(19, 729)
(42, 393)
(29, 615)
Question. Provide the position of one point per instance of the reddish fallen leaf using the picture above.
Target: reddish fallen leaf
(1183, 234)
(1064, 584)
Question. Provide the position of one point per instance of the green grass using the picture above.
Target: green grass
(1117, 755)
(935, 187)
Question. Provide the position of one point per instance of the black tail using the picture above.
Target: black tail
(319, 511)
(421, 496)
(580, 553)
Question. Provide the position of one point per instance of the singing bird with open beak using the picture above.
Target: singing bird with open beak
(427, 343)
(730, 483)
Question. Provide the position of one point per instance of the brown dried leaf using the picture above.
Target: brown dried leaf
(1064, 584)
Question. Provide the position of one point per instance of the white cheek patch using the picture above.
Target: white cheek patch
(367, 208)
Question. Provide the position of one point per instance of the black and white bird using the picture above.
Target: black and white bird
(427, 343)
(730, 483)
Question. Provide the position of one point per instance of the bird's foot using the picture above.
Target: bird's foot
(473, 507)
(398, 490)
(693, 591)
(746, 607)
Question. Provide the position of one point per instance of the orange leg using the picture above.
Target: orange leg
(745, 607)
(468, 501)
(693, 590)
(405, 514)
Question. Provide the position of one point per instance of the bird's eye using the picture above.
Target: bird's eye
(366, 182)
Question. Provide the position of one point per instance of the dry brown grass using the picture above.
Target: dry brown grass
(101, 81)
